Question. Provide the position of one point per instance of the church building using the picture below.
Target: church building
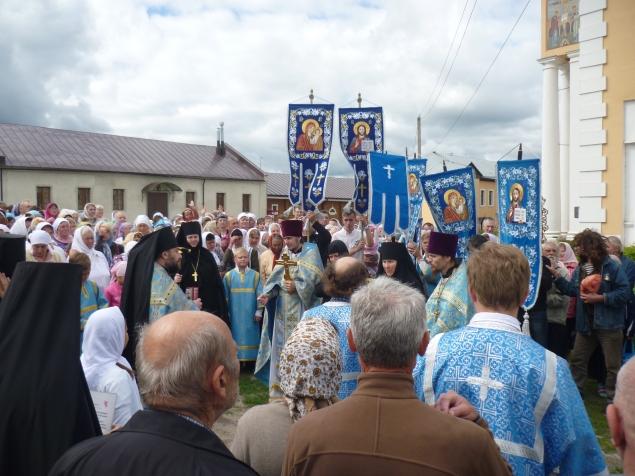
(139, 176)
(588, 116)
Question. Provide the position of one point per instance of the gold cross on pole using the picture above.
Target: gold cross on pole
(362, 187)
(286, 262)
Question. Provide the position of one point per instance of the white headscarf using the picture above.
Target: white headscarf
(104, 340)
(492, 238)
(142, 219)
(57, 223)
(41, 225)
(5, 228)
(99, 270)
(248, 246)
(19, 227)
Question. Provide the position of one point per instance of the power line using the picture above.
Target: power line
(453, 60)
(446, 58)
(485, 76)
(456, 32)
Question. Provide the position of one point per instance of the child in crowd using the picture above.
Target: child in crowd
(114, 290)
(242, 288)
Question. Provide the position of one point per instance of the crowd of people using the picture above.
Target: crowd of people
(381, 356)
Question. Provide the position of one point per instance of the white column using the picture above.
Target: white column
(573, 174)
(550, 144)
(565, 137)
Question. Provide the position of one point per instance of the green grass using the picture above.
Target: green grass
(252, 390)
(595, 407)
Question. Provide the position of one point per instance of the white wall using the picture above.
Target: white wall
(629, 173)
(22, 184)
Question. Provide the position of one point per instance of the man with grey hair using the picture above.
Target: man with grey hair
(383, 428)
(188, 377)
(621, 417)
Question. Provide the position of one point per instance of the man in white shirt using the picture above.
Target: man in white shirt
(352, 237)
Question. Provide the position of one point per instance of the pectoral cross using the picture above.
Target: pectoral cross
(389, 169)
(363, 187)
(320, 177)
(287, 263)
(195, 275)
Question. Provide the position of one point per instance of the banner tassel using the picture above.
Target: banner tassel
(526, 330)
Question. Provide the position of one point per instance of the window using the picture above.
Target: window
(482, 197)
(43, 197)
(576, 212)
(246, 202)
(274, 207)
(220, 200)
(189, 198)
(490, 198)
(117, 199)
(83, 197)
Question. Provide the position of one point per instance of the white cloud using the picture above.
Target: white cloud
(173, 70)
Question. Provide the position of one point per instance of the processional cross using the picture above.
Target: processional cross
(287, 263)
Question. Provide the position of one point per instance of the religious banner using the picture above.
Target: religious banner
(388, 198)
(361, 132)
(416, 170)
(309, 139)
(519, 211)
(451, 197)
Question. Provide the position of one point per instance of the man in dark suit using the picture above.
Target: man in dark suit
(188, 372)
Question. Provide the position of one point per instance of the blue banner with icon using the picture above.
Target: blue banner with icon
(388, 181)
(520, 214)
(416, 170)
(310, 131)
(361, 132)
(451, 197)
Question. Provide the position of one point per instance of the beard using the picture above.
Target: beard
(171, 266)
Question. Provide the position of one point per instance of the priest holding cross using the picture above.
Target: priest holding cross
(292, 283)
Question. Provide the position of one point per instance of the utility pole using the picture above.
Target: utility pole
(419, 136)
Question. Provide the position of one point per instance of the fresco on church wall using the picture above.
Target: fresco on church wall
(563, 23)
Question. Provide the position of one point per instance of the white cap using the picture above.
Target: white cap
(40, 237)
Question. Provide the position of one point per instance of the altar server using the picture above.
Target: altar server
(242, 288)
(525, 392)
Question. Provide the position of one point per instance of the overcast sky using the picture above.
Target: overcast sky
(173, 70)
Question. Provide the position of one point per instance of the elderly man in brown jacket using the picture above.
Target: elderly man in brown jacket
(383, 428)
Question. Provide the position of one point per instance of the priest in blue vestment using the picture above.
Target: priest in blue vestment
(450, 306)
(149, 293)
(294, 297)
(524, 392)
(341, 279)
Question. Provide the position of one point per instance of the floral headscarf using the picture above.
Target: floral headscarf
(311, 367)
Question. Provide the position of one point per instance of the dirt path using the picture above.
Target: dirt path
(225, 426)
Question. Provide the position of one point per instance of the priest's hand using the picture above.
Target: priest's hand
(198, 303)
(311, 216)
(454, 404)
(263, 299)
(414, 250)
(257, 318)
(289, 286)
(552, 270)
(178, 278)
(592, 298)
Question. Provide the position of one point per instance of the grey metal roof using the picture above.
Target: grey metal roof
(337, 188)
(44, 148)
(486, 168)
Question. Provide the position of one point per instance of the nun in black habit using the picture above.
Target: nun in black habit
(46, 404)
(199, 270)
(399, 265)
